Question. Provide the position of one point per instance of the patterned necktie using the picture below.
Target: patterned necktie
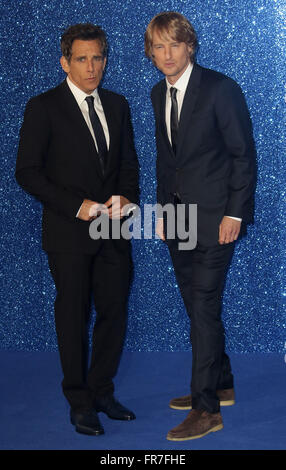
(174, 118)
(98, 131)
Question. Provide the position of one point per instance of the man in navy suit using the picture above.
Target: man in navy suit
(206, 157)
(76, 152)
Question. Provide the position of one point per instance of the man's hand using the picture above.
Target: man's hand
(88, 210)
(115, 206)
(228, 230)
(160, 229)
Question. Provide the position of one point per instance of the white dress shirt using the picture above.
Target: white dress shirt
(80, 99)
(181, 86)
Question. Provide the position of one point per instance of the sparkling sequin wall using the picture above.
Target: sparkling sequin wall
(241, 38)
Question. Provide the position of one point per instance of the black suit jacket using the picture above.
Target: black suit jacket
(58, 164)
(214, 166)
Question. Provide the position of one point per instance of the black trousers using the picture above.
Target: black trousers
(106, 275)
(200, 275)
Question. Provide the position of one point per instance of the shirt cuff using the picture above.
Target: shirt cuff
(77, 214)
(132, 208)
(234, 218)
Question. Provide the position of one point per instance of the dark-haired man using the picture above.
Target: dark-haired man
(76, 152)
(205, 156)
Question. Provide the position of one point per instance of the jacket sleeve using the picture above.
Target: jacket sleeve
(30, 173)
(235, 125)
(128, 184)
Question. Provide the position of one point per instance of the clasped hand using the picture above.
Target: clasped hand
(113, 207)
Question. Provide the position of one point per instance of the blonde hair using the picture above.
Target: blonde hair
(174, 25)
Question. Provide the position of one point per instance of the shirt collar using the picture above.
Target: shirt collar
(182, 83)
(79, 94)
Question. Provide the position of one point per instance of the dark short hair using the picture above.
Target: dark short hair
(172, 24)
(84, 32)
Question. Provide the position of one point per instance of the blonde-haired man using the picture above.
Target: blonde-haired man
(205, 156)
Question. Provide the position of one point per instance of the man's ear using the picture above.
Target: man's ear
(64, 64)
(190, 50)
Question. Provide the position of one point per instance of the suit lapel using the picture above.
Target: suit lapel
(189, 102)
(75, 115)
(107, 108)
(162, 112)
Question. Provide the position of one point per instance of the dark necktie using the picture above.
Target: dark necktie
(174, 118)
(98, 131)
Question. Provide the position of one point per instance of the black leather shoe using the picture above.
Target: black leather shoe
(86, 422)
(113, 409)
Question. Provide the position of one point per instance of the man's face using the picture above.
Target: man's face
(86, 66)
(170, 56)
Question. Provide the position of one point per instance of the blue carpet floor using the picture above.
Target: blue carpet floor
(35, 416)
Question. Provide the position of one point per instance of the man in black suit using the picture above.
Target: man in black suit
(76, 152)
(206, 157)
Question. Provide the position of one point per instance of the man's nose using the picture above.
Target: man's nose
(168, 52)
(90, 65)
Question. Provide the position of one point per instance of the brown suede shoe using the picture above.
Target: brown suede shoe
(197, 424)
(226, 398)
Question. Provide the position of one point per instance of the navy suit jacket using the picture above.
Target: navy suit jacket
(214, 166)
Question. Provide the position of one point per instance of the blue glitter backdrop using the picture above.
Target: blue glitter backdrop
(242, 38)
